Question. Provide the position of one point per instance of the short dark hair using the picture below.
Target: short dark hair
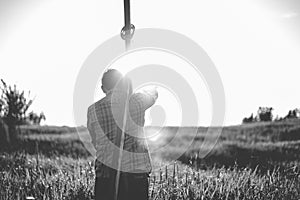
(110, 78)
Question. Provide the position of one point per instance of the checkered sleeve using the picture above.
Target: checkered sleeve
(89, 125)
(144, 100)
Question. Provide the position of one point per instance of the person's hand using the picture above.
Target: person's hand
(152, 92)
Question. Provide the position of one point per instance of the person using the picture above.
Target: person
(105, 124)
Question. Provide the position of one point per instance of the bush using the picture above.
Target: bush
(4, 134)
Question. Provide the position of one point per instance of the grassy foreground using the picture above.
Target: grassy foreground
(255, 161)
(24, 175)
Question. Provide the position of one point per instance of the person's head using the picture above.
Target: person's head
(110, 79)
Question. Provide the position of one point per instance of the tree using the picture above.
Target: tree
(264, 114)
(13, 108)
(36, 119)
(249, 119)
(293, 114)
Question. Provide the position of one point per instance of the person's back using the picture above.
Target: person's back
(105, 124)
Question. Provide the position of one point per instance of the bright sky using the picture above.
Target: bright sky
(254, 44)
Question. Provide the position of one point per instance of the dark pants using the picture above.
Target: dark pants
(132, 186)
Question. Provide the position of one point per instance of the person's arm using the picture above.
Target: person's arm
(90, 127)
(147, 98)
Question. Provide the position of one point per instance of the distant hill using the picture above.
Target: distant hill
(253, 132)
(36, 129)
(264, 144)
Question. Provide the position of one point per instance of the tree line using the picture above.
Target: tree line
(265, 114)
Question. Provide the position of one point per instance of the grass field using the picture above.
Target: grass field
(255, 161)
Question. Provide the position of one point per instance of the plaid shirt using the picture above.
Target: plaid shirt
(103, 125)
